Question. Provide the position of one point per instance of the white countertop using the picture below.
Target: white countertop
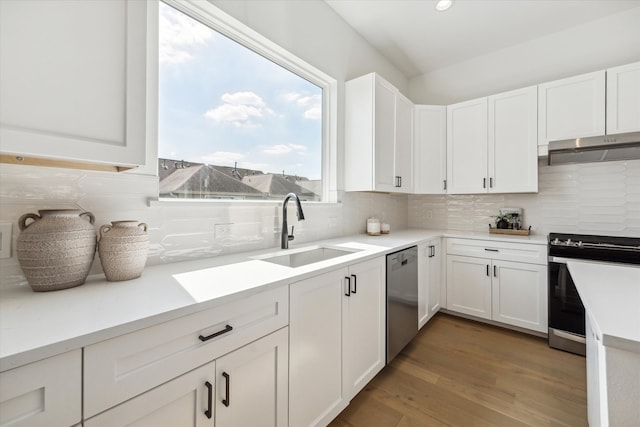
(34, 326)
(611, 296)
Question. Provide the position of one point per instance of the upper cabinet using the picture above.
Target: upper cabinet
(430, 149)
(378, 137)
(571, 108)
(73, 81)
(491, 144)
(623, 99)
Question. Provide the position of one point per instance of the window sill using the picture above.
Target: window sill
(152, 202)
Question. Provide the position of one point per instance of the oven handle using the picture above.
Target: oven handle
(569, 336)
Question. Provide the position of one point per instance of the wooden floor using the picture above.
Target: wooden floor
(458, 372)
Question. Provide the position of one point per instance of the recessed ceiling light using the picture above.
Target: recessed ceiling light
(443, 5)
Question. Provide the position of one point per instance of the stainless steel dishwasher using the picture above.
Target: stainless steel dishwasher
(402, 299)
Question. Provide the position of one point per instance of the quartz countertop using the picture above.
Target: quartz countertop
(34, 326)
(611, 296)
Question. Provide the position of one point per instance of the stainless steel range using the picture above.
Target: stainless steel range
(566, 312)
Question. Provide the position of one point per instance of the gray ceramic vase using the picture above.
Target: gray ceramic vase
(123, 248)
(56, 248)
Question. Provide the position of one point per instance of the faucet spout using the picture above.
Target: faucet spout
(285, 237)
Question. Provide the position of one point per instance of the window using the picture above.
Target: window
(232, 123)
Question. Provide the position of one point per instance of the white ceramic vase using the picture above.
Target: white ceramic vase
(123, 248)
(56, 249)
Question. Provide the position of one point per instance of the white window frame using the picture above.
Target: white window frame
(227, 25)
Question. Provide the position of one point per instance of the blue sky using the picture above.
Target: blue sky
(220, 103)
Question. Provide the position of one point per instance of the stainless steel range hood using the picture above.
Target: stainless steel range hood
(623, 146)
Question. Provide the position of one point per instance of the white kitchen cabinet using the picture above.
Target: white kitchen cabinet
(183, 401)
(519, 294)
(491, 144)
(623, 99)
(429, 280)
(337, 340)
(571, 108)
(125, 366)
(512, 144)
(596, 377)
(252, 384)
(430, 149)
(504, 282)
(315, 349)
(73, 80)
(467, 147)
(469, 285)
(363, 325)
(43, 393)
(378, 136)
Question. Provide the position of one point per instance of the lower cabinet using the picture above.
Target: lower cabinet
(247, 387)
(510, 292)
(430, 295)
(43, 393)
(596, 378)
(337, 340)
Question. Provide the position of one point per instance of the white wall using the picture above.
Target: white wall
(597, 198)
(309, 29)
(597, 45)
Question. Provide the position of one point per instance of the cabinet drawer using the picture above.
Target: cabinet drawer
(43, 393)
(120, 368)
(518, 252)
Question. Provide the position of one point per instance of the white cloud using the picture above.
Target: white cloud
(311, 105)
(223, 158)
(284, 149)
(178, 35)
(238, 109)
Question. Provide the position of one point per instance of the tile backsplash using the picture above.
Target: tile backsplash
(179, 231)
(598, 198)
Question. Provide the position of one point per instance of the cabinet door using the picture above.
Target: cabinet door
(435, 278)
(513, 147)
(315, 349)
(594, 382)
(73, 80)
(385, 134)
(179, 402)
(363, 323)
(424, 285)
(467, 147)
(430, 149)
(469, 285)
(623, 99)
(519, 294)
(571, 108)
(404, 144)
(43, 393)
(252, 386)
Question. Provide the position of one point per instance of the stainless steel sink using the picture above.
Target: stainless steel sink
(305, 256)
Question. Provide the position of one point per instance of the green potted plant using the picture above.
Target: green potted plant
(503, 221)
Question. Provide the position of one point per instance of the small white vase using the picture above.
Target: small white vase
(123, 248)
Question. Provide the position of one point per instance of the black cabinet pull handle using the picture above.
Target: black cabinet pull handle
(491, 250)
(444, 184)
(484, 182)
(355, 284)
(490, 182)
(495, 274)
(209, 411)
(227, 400)
(488, 270)
(348, 283)
(400, 181)
(226, 329)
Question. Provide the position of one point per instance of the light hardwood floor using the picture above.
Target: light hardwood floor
(458, 372)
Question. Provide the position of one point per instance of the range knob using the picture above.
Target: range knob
(580, 243)
(568, 242)
(556, 241)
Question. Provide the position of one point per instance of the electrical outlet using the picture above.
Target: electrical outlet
(222, 230)
(5, 240)
(429, 214)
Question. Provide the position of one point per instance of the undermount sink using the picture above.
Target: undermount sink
(305, 256)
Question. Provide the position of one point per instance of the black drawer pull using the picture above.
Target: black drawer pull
(226, 329)
(491, 250)
(355, 284)
(226, 401)
(487, 269)
(495, 274)
(348, 283)
(209, 411)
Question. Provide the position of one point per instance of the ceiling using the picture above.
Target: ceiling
(417, 39)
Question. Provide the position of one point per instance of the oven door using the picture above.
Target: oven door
(566, 312)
